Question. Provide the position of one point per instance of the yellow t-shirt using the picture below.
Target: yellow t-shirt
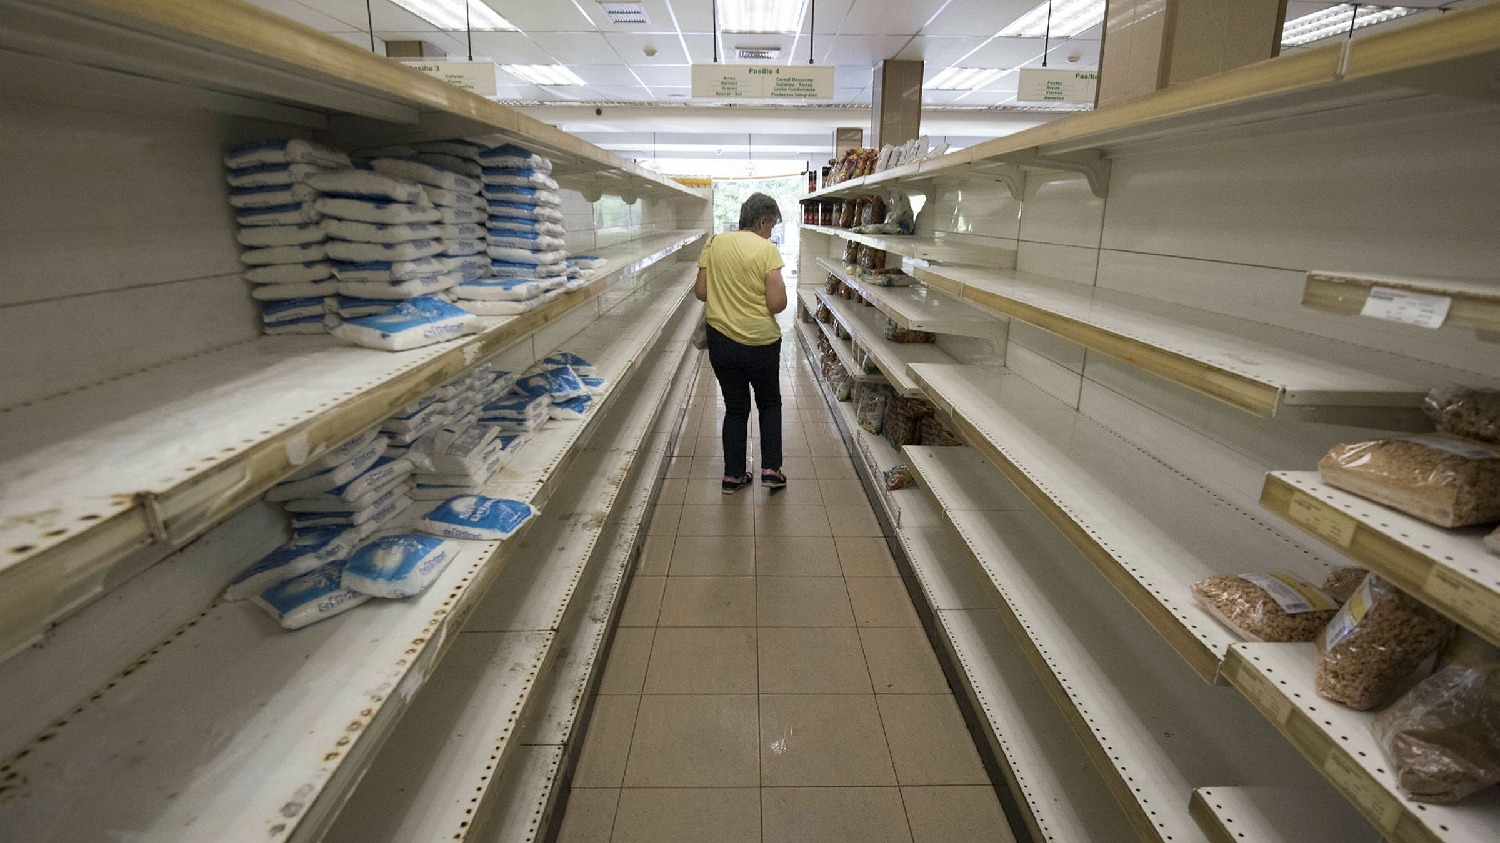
(738, 263)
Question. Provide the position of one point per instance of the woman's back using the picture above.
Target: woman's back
(738, 263)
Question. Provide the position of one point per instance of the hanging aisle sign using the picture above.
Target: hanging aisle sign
(1043, 84)
(481, 77)
(763, 82)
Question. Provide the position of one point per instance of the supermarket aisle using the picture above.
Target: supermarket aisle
(769, 680)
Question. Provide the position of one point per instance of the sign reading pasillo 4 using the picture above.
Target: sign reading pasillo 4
(741, 81)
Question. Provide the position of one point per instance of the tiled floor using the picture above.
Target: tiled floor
(769, 680)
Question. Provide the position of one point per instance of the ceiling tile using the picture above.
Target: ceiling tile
(852, 76)
(700, 48)
(602, 74)
(390, 17)
(574, 47)
(674, 75)
(692, 15)
(977, 17)
(659, 20)
(444, 40)
(1004, 53)
(886, 17)
(939, 51)
(546, 16)
(509, 48)
(831, 15)
(867, 50)
(632, 47)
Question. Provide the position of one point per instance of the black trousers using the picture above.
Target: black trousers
(739, 368)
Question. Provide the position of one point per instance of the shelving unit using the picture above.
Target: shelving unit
(1274, 812)
(240, 681)
(158, 457)
(1449, 569)
(1469, 304)
(1258, 368)
(1149, 725)
(940, 250)
(867, 326)
(1340, 743)
(919, 308)
(843, 348)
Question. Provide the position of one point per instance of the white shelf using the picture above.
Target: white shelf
(844, 349)
(919, 307)
(1278, 679)
(1450, 569)
(1472, 304)
(1258, 368)
(155, 458)
(524, 797)
(867, 326)
(1153, 729)
(941, 249)
(1277, 814)
(296, 716)
(1150, 530)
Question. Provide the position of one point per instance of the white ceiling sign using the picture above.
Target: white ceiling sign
(1043, 84)
(477, 76)
(762, 82)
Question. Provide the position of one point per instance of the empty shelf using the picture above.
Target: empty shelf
(1278, 814)
(939, 249)
(867, 326)
(921, 308)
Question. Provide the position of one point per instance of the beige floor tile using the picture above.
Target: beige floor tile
(664, 519)
(823, 740)
(625, 667)
(716, 519)
(709, 601)
(826, 447)
(708, 446)
(713, 556)
(795, 448)
(706, 467)
(679, 466)
(881, 601)
(901, 661)
(590, 816)
(834, 468)
(955, 815)
(865, 556)
(928, 740)
(833, 815)
(855, 520)
(685, 446)
(798, 468)
(643, 601)
(707, 491)
(699, 660)
(794, 493)
(688, 815)
(791, 520)
(695, 741)
(656, 555)
(796, 660)
(606, 745)
(796, 556)
(673, 491)
(802, 601)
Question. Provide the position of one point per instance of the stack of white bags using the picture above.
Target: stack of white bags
(525, 234)
(285, 253)
(456, 451)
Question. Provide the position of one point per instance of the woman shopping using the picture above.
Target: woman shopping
(739, 276)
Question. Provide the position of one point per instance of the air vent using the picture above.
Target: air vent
(757, 53)
(626, 12)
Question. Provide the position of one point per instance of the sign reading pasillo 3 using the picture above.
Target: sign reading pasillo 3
(741, 81)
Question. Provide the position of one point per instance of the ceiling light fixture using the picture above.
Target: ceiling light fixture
(630, 12)
(451, 16)
(756, 53)
(769, 16)
(543, 74)
(1069, 17)
(1335, 20)
(963, 79)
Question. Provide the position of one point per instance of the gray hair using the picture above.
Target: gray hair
(758, 207)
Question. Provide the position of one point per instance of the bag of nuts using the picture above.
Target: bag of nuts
(1278, 606)
(1343, 582)
(1441, 479)
(1470, 413)
(1443, 736)
(1373, 643)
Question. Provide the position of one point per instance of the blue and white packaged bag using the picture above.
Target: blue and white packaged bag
(525, 257)
(337, 455)
(461, 148)
(246, 198)
(259, 237)
(462, 231)
(579, 365)
(398, 565)
(271, 175)
(300, 254)
(474, 266)
(330, 478)
(361, 210)
(411, 288)
(284, 151)
(303, 553)
(286, 309)
(523, 195)
(477, 518)
(508, 209)
(411, 324)
(389, 271)
(463, 216)
(326, 502)
(295, 213)
(298, 273)
(369, 232)
(562, 384)
(354, 307)
(459, 248)
(394, 498)
(573, 408)
(304, 290)
(593, 385)
(499, 308)
(589, 261)
(385, 471)
(408, 419)
(463, 166)
(453, 448)
(514, 157)
(498, 176)
(302, 325)
(368, 186)
(508, 269)
(453, 198)
(425, 174)
(516, 412)
(315, 596)
(346, 251)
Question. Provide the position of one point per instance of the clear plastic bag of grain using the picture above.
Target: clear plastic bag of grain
(1277, 606)
(1341, 583)
(1492, 541)
(1374, 642)
(1461, 411)
(1441, 479)
(1443, 736)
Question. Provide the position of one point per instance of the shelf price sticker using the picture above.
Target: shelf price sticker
(1321, 519)
(1446, 586)
(1423, 309)
(1262, 692)
(1380, 807)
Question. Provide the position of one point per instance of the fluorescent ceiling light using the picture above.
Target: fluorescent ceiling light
(761, 15)
(631, 12)
(1335, 20)
(757, 53)
(963, 79)
(543, 74)
(450, 15)
(1069, 17)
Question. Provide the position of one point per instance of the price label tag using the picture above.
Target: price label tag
(1264, 695)
(1380, 807)
(1448, 587)
(1410, 308)
(1321, 519)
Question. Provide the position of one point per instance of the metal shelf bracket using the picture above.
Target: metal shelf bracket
(1090, 162)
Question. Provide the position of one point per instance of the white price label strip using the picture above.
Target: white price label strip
(1421, 309)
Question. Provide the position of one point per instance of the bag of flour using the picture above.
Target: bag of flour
(398, 565)
(476, 518)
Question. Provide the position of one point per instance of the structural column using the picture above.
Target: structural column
(1151, 44)
(897, 100)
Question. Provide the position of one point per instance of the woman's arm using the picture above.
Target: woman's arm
(700, 285)
(775, 292)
